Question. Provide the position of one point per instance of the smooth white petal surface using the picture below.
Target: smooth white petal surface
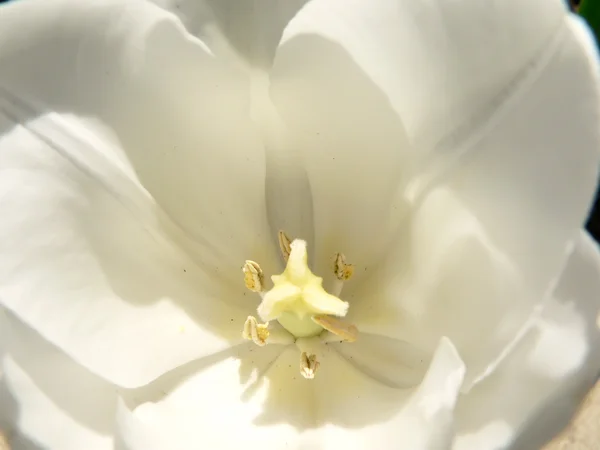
(481, 256)
(49, 401)
(351, 143)
(532, 177)
(444, 278)
(87, 263)
(247, 32)
(431, 59)
(220, 408)
(392, 362)
(116, 153)
(250, 398)
(362, 413)
(535, 391)
(409, 86)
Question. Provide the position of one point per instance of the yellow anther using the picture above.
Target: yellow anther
(342, 271)
(285, 245)
(308, 365)
(253, 276)
(346, 332)
(256, 332)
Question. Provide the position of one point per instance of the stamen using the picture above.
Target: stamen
(304, 313)
(342, 271)
(345, 331)
(256, 332)
(308, 365)
(254, 277)
(284, 245)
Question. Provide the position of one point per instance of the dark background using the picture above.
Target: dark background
(593, 224)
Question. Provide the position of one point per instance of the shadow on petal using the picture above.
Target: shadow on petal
(290, 399)
(254, 28)
(394, 363)
(538, 387)
(48, 398)
(353, 146)
(139, 103)
(9, 414)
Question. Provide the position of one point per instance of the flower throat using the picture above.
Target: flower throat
(299, 303)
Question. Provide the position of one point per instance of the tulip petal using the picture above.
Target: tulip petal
(535, 391)
(361, 413)
(49, 401)
(246, 32)
(88, 264)
(340, 408)
(503, 131)
(447, 279)
(253, 398)
(531, 183)
(390, 361)
(431, 59)
(532, 178)
(352, 145)
(128, 206)
(503, 220)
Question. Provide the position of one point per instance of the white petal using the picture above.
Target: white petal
(392, 362)
(531, 179)
(253, 399)
(534, 392)
(340, 408)
(47, 400)
(429, 58)
(444, 278)
(95, 98)
(351, 143)
(361, 413)
(89, 262)
(165, 99)
(343, 62)
(503, 221)
(248, 30)
(246, 34)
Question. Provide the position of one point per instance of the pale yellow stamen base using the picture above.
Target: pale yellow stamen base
(345, 331)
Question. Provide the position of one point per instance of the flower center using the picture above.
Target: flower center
(299, 303)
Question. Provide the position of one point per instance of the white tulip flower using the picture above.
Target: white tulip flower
(267, 225)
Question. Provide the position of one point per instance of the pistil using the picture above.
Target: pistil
(299, 303)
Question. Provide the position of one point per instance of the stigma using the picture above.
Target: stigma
(299, 303)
